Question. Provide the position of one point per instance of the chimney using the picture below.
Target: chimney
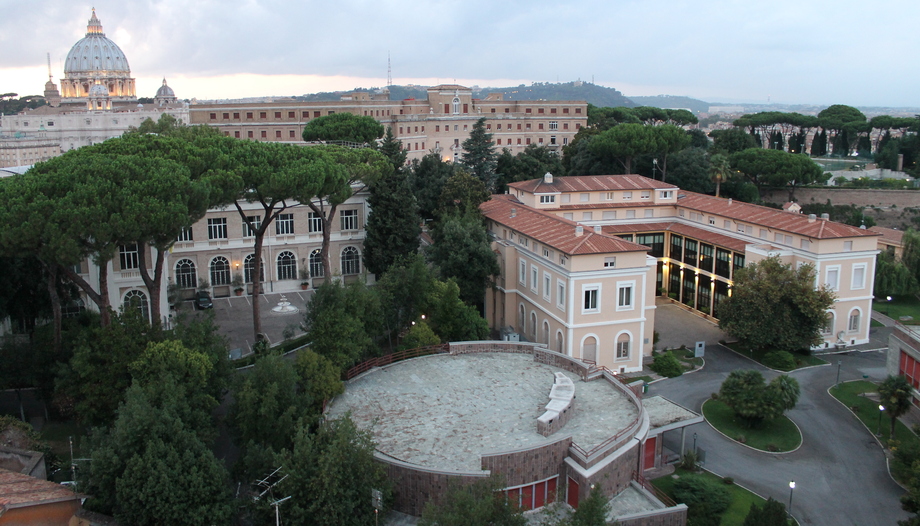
(548, 178)
(514, 212)
(825, 216)
(729, 201)
(597, 229)
(811, 218)
(579, 230)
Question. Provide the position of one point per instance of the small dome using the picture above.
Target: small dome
(95, 53)
(98, 90)
(165, 91)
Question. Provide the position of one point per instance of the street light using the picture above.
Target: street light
(887, 304)
(694, 443)
(654, 168)
(839, 363)
(881, 409)
(791, 487)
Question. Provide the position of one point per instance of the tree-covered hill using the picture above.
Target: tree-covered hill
(673, 102)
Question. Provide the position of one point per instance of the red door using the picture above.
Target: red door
(649, 461)
(572, 497)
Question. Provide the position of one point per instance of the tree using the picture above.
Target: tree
(479, 154)
(462, 194)
(623, 143)
(775, 306)
(777, 168)
(333, 327)
(393, 224)
(343, 127)
(895, 394)
(732, 140)
(462, 250)
(405, 291)
(753, 400)
(698, 139)
(451, 318)
(772, 513)
(531, 163)
(892, 277)
(719, 170)
(690, 170)
(846, 122)
(910, 254)
(706, 499)
(319, 378)
(669, 139)
(481, 502)
(428, 177)
(392, 148)
(330, 475)
(593, 510)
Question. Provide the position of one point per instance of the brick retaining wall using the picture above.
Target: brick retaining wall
(847, 196)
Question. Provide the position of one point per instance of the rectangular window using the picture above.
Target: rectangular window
(185, 234)
(646, 194)
(284, 225)
(859, 277)
(630, 214)
(625, 297)
(314, 223)
(256, 223)
(226, 116)
(723, 263)
(726, 224)
(534, 283)
(590, 299)
(569, 215)
(560, 294)
(853, 323)
(832, 277)
(610, 215)
(213, 116)
(649, 213)
(236, 115)
(349, 219)
(805, 244)
(546, 199)
(627, 196)
(128, 256)
(264, 134)
(610, 262)
(277, 114)
(263, 115)
(248, 114)
(608, 196)
(584, 198)
(522, 273)
(547, 287)
(553, 125)
(277, 134)
(847, 246)
(666, 194)
(217, 228)
(587, 216)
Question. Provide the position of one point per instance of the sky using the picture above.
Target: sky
(790, 52)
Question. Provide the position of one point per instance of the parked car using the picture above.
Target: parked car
(203, 300)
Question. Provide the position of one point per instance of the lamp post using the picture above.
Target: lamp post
(791, 488)
(655, 168)
(839, 362)
(694, 443)
(887, 304)
(881, 409)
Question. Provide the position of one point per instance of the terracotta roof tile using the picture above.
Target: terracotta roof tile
(591, 183)
(18, 490)
(552, 230)
(889, 235)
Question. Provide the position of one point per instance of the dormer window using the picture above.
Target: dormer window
(547, 199)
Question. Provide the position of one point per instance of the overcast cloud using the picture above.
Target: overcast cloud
(821, 52)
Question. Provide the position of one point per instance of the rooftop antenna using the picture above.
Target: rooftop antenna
(277, 504)
(389, 71)
(49, 66)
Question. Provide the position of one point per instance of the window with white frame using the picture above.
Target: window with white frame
(712, 220)
(220, 271)
(284, 224)
(828, 327)
(627, 196)
(625, 296)
(553, 125)
(610, 262)
(316, 264)
(249, 269)
(547, 254)
(349, 219)
(287, 265)
(832, 277)
(622, 347)
(137, 300)
(217, 228)
(185, 235)
(547, 287)
(127, 256)
(314, 223)
(186, 276)
(853, 322)
(646, 194)
(547, 199)
(609, 196)
(251, 225)
(666, 194)
(590, 298)
(560, 294)
(534, 282)
(351, 261)
(859, 277)
(522, 274)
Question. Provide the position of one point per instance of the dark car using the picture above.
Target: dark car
(203, 300)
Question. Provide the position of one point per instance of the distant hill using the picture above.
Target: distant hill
(673, 102)
(594, 94)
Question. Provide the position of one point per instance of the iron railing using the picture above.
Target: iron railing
(399, 356)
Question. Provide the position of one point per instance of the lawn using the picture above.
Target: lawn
(899, 306)
(631, 379)
(866, 409)
(776, 435)
(801, 360)
(686, 356)
(741, 498)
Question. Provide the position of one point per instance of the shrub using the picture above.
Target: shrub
(782, 360)
(705, 498)
(728, 481)
(689, 461)
(741, 439)
(666, 364)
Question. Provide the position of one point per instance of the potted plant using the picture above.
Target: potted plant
(203, 284)
(237, 283)
(304, 278)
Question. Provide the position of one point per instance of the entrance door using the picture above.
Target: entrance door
(648, 462)
(572, 497)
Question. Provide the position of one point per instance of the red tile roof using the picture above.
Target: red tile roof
(714, 238)
(552, 230)
(889, 235)
(769, 217)
(591, 183)
(18, 490)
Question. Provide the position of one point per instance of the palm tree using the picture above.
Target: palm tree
(719, 169)
(894, 394)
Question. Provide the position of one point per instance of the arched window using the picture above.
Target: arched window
(186, 276)
(560, 346)
(287, 265)
(521, 318)
(545, 333)
(249, 267)
(828, 327)
(316, 264)
(589, 349)
(220, 271)
(456, 105)
(853, 322)
(623, 344)
(533, 326)
(137, 300)
(351, 261)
